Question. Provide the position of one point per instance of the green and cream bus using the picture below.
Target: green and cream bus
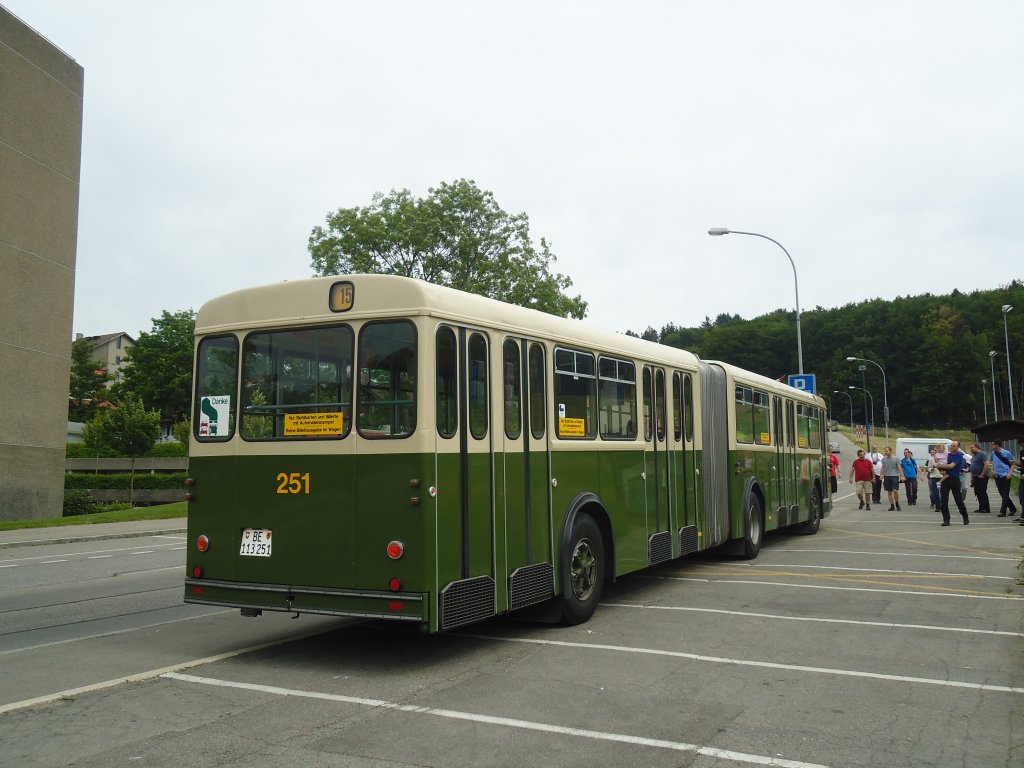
(382, 447)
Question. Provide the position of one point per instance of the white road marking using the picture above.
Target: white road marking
(881, 570)
(143, 552)
(81, 554)
(897, 554)
(528, 725)
(840, 589)
(51, 562)
(886, 624)
(749, 663)
(153, 673)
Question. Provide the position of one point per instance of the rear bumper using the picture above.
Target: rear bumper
(403, 606)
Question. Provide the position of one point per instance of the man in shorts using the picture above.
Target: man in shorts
(892, 475)
(863, 473)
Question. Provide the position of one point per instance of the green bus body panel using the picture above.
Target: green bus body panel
(334, 537)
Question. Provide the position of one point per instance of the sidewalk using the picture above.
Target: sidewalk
(63, 534)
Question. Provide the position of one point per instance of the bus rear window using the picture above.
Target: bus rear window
(387, 380)
(297, 384)
(216, 385)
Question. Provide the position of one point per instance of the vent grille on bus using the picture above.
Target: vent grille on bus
(530, 584)
(687, 540)
(466, 601)
(659, 547)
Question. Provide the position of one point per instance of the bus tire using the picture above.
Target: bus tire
(582, 567)
(753, 528)
(810, 527)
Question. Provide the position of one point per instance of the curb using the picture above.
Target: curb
(100, 537)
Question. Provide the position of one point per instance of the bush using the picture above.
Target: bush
(82, 451)
(167, 481)
(78, 503)
(168, 450)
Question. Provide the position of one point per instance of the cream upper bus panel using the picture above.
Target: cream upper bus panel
(306, 301)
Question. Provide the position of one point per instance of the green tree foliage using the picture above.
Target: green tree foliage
(88, 382)
(934, 349)
(159, 369)
(128, 429)
(456, 236)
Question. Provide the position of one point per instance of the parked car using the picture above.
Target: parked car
(834, 447)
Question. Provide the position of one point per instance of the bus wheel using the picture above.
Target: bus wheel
(582, 569)
(811, 526)
(753, 529)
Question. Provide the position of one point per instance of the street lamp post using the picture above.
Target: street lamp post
(984, 396)
(885, 393)
(850, 397)
(1007, 309)
(995, 403)
(716, 231)
(865, 391)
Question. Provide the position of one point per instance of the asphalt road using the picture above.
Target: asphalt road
(884, 640)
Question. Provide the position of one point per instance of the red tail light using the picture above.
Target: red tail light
(396, 549)
(203, 543)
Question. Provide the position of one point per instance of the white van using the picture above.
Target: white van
(920, 447)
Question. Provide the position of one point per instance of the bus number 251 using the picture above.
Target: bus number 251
(292, 483)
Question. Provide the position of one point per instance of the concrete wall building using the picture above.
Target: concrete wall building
(109, 351)
(41, 91)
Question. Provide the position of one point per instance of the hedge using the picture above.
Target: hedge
(82, 480)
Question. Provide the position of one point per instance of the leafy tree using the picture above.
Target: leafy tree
(456, 236)
(159, 369)
(129, 429)
(88, 382)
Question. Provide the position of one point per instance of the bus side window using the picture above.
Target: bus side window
(511, 387)
(538, 410)
(447, 383)
(477, 359)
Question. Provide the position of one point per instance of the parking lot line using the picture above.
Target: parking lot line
(508, 722)
(813, 619)
(752, 663)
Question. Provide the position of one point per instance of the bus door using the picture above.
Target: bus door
(656, 466)
(524, 472)
(464, 489)
(683, 464)
(789, 468)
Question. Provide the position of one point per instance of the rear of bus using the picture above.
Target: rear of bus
(305, 465)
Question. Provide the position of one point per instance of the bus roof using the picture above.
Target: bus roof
(305, 302)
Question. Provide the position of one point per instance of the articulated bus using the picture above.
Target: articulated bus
(382, 447)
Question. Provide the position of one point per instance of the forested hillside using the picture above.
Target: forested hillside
(934, 349)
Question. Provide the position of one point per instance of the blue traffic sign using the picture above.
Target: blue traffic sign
(804, 381)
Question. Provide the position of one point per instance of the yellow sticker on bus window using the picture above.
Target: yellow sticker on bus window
(313, 424)
(765, 439)
(803, 442)
(572, 427)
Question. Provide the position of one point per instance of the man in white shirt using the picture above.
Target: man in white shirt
(876, 488)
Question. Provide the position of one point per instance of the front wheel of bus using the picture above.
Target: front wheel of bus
(582, 569)
(754, 529)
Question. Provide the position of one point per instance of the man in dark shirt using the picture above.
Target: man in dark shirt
(979, 478)
(955, 465)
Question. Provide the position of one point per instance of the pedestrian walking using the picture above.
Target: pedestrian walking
(908, 467)
(863, 473)
(979, 478)
(1002, 469)
(834, 472)
(876, 488)
(891, 477)
(954, 466)
(934, 476)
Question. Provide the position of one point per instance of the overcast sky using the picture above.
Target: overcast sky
(879, 142)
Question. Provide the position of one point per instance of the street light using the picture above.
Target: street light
(837, 392)
(1007, 309)
(995, 404)
(716, 231)
(984, 396)
(872, 426)
(885, 394)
